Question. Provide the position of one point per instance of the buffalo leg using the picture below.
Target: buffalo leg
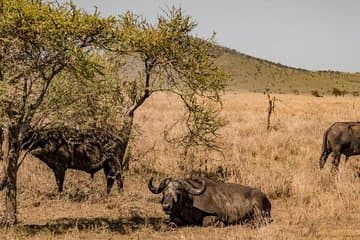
(119, 181)
(116, 172)
(175, 220)
(109, 178)
(257, 217)
(113, 173)
(336, 161)
(323, 158)
(59, 176)
(212, 221)
(261, 213)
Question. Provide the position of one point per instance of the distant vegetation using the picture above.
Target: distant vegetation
(253, 74)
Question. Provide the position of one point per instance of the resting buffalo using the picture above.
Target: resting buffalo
(204, 202)
(340, 138)
(89, 151)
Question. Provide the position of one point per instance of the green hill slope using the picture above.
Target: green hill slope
(254, 74)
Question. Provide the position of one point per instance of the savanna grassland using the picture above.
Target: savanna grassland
(307, 203)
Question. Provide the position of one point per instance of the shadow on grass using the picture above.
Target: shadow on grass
(121, 225)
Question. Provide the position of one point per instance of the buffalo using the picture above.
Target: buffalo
(89, 151)
(340, 138)
(204, 202)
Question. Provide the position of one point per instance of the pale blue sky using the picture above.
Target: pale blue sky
(311, 34)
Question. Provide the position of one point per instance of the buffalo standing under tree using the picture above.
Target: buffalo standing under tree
(204, 202)
(89, 151)
(340, 138)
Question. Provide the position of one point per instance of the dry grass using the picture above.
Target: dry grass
(307, 203)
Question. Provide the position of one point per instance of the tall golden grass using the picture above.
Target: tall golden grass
(307, 203)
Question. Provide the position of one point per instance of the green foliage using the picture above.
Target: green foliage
(62, 66)
(38, 41)
(85, 103)
(176, 62)
(168, 50)
(142, 60)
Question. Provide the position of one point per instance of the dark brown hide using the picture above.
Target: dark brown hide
(219, 204)
(89, 151)
(340, 138)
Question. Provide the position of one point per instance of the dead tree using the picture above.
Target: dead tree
(271, 109)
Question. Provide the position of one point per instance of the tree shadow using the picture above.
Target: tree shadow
(120, 225)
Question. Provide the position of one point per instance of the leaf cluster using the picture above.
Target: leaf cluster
(103, 69)
(177, 62)
(38, 41)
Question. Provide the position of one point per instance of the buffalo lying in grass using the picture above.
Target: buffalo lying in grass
(204, 202)
(340, 138)
(89, 151)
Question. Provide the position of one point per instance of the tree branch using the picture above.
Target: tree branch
(23, 158)
(15, 78)
(147, 93)
(55, 70)
(25, 95)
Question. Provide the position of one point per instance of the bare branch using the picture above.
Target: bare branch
(47, 80)
(271, 109)
(147, 93)
(22, 158)
(15, 78)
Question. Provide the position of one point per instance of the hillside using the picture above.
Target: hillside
(253, 74)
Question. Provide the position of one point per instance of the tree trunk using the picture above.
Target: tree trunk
(10, 195)
(125, 136)
(5, 154)
(11, 167)
(271, 108)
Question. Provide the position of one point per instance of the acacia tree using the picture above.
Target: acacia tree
(143, 59)
(172, 61)
(38, 41)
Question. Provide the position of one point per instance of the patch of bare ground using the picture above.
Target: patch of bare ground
(307, 203)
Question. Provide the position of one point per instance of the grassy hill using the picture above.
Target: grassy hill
(253, 74)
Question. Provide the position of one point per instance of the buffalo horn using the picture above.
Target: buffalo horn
(195, 191)
(161, 187)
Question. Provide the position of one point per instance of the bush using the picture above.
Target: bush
(315, 93)
(337, 92)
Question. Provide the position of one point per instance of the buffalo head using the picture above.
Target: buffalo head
(175, 191)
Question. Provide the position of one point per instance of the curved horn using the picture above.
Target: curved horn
(161, 187)
(193, 190)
